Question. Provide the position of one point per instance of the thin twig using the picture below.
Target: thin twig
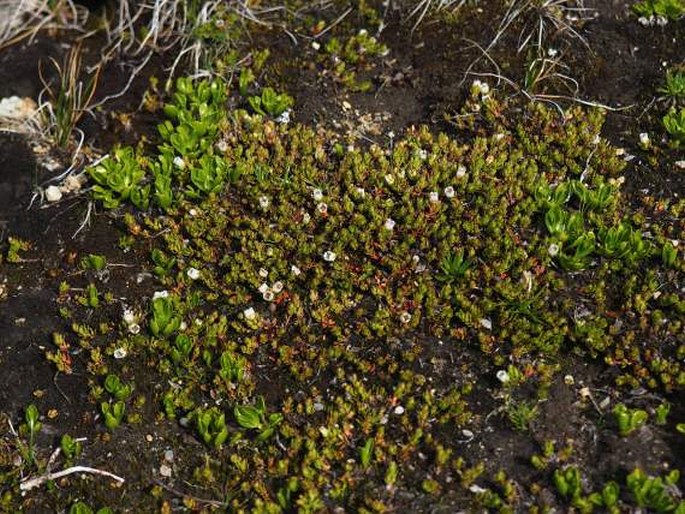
(27, 485)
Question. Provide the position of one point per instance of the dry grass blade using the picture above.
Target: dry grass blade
(20, 19)
(424, 6)
(66, 104)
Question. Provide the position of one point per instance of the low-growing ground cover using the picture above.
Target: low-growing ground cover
(441, 285)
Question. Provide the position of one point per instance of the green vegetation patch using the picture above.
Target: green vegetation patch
(304, 282)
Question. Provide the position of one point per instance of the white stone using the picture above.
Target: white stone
(53, 194)
(165, 470)
(17, 109)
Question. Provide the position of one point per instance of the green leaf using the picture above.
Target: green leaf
(248, 417)
(366, 452)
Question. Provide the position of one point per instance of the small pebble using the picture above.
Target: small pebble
(53, 194)
(165, 470)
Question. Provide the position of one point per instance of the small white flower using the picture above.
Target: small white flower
(503, 376)
(268, 295)
(461, 171)
(160, 294)
(129, 317)
(405, 317)
(295, 270)
(192, 212)
(361, 192)
(391, 135)
(661, 21)
(485, 323)
(423, 154)
(306, 218)
(183, 326)
(263, 202)
(389, 179)
(263, 273)
(644, 139)
(179, 162)
(322, 208)
(481, 88)
(329, 256)
(433, 197)
(389, 224)
(193, 273)
(284, 117)
(675, 243)
(222, 146)
(263, 288)
(449, 192)
(316, 45)
(277, 287)
(249, 314)
(362, 32)
(317, 194)
(134, 328)
(120, 353)
(399, 410)
(553, 250)
(552, 52)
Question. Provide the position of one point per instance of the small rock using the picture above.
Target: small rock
(169, 455)
(53, 194)
(165, 470)
(18, 109)
(72, 183)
